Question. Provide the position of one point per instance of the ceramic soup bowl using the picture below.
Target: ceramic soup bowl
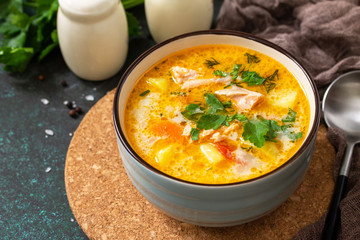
(220, 204)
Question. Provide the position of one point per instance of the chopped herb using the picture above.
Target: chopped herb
(178, 93)
(294, 136)
(259, 131)
(248, 149)
(227, 104)
(237, 116)
(274, 128)
(290, 117)
(191, 111)
(220, 73)
(210, 121)
(211, 63)
(252, 78)
(255, 132)
(252, 58)
(144, 93)
(235, 71)
(213, 103)
(269, 82)
(194, 133)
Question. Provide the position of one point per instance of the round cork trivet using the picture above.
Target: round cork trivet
(107, 205)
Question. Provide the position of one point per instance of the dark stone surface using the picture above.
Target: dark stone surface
(33, 202)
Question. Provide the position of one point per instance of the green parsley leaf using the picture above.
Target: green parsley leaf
(235, 71)
(33, 32)
(290, 117)
(210, 121)
(255, 131)
(15, 59)
(236, 116)
(191, 111)
(294, 136)
(213, 103)
(252, 78)
(227, 104)
(144, 93)
(194, 133)
(260, 130)
(133, 25)
(274, 128)
(220, 73)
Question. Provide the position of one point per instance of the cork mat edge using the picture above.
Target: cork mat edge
(107, 206)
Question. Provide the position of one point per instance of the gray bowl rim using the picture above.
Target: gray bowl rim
(120, 134)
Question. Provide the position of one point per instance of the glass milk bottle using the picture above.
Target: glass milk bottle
(93, 37)
(168, 18)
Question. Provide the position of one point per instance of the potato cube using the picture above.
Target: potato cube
(161, 84)
(285, 99)
(165, 155)
(211, 153)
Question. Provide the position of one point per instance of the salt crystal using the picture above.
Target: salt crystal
(49, 132)
(72, 220)
(66, 102)
(48, 169)
(70, 134)
(45, 101)
(89, 97)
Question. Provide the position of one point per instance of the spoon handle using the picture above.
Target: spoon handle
(333, 217)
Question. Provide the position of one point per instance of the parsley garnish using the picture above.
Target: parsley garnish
(213, 103)
(235, 71)
(194, 133)
(237, 116)
(220, 73)
(191, 111)
(258, 131)
(178, 93)
(290, 117)
(252, 78)
(144, 93)
(211, 63)
(227, 104)
(210, 121)
(294, 136)
(252, 58)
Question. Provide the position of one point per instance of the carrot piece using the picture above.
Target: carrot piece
(225, 151)
(169, 129)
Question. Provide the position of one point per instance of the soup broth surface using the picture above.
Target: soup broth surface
(217, 114)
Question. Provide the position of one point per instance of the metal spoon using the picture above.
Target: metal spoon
(341, 107)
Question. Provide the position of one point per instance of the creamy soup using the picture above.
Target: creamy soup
(217, 114)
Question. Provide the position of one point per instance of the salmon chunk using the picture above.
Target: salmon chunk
(202, 82)
(244, 99)
(188, 78)
(181, 75)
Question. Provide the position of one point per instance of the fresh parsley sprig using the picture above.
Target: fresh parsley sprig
(28, 30)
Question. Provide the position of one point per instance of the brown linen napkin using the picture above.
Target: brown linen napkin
(324, 36)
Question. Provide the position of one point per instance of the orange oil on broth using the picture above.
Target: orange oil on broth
(155, 125)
